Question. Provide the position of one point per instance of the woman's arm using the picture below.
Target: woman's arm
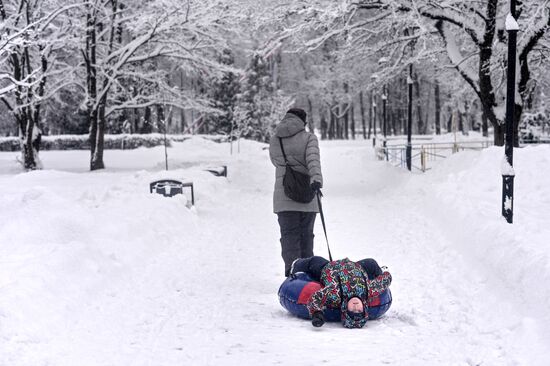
(313, 160)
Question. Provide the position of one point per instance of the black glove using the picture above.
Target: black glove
(318, 319)
(316, 187)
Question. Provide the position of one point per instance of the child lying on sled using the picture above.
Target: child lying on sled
(346, 285)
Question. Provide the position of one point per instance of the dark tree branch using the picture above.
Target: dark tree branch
(525, 73)
(7, 103)
(426, 13)
(439, 26)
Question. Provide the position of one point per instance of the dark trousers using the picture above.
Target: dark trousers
(371, 267)
(296, 236)
(313, 266)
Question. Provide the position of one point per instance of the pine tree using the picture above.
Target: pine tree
(260, 105)
(223, 96)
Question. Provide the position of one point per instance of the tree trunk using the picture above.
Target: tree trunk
(338, 123)
(418, 101)
(147, 121)
(402, 121)
(346, 115)
(323, 117)
(395, 122)
(182, 111)
(437, 95)
(310, 115)
(352, 114)
(370, 115)
(161, 120)
(374, 115)
(363, 122)
(29, 133)
(484, 125)
(29, 160)
(346, 123)
(170, 120)
(97, 158)
(450, 119)
(485, 92)
(97, 141)
(91, 79)
(183, 122)
(332, 125)
(427, 114)
(499, 134)
(467, 119)
(517, 111)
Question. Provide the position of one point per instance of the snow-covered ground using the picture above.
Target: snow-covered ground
(94, 270)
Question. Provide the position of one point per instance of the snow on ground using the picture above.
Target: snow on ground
(94, 270)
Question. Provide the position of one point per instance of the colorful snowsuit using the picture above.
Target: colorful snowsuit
(343, 279)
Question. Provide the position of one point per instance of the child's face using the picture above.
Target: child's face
(355, 305)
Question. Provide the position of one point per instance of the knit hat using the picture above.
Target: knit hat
(351, 319)
(298, 112)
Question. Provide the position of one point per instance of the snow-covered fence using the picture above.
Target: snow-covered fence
(423, 154)
(112, 142)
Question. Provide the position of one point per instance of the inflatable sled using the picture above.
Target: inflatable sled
(294, 294)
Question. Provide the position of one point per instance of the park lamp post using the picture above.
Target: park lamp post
(381, 62)
(384, 102)
(508, 162)
(409, 120)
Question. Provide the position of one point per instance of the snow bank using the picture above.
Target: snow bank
(465, 196)
(119, 142)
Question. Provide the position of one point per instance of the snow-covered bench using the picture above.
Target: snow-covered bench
(220, 171)
(171, 187)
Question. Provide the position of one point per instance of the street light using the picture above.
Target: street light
(508, 162)
(381, 62)
(409, 122)
(384, 102)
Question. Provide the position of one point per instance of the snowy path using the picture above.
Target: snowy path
(112, 276)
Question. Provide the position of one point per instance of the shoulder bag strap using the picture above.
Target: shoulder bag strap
(283, 150)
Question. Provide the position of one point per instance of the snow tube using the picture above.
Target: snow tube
(294, 294)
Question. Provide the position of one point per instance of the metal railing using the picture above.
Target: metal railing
(423, 154)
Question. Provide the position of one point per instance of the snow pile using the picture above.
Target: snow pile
(122, 141)
(465, 197)
(511, 23)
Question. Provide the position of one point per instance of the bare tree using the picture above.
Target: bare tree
(129, 73)
(35, 32)
(469, 34)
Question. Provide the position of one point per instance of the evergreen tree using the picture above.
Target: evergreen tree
(260, 105)
(223, 96)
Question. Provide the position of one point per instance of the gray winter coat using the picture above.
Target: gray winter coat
(302, 152)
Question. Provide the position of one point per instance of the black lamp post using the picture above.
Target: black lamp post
(382, 62)
(409, 122)
(507, 166)
(384, 102)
